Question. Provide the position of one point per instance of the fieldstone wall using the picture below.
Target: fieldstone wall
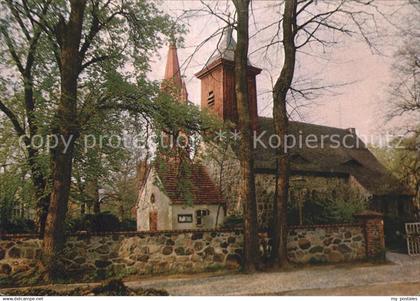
(109, 255)
(92, 257)
(329, 243)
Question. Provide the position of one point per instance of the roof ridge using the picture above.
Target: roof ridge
(311, 124)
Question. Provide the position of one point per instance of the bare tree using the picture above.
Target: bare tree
(304, 23)
(247, 192)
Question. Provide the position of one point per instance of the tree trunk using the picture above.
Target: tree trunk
(282, 86)
(67, 129)
(42, 197)
(247, 193)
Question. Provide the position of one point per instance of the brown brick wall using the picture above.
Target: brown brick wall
(374, 232)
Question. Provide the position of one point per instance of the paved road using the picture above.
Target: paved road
(402, 270)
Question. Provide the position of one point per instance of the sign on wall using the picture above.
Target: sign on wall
(185, 218)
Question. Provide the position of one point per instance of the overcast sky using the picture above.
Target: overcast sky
(357, 104)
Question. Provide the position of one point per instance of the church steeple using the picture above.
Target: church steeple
(172, 82)
(218, 82)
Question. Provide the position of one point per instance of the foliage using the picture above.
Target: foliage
(119, 38)
(18, 225)
(15, 193)
(233, 221)
(402, 159)
(101, 222)
(332, 205)
(128, 225)
(179, 129)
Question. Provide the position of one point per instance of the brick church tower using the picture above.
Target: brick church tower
(218, 82)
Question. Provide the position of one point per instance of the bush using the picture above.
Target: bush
(335, 205)
(101, 222)
(128, 225)
(233, 221)
(19, 226)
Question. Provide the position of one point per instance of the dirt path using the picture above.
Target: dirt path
(401, 277)
(388, 289)
(404, 271)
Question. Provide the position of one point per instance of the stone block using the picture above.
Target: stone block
(304, 243)
(102, 263)
(5, 269)
(335, 257)
(179, 251)
(316, 249)
(233, 261)
(198, 245)
(14, 252)
(167, 250)
(343, 248)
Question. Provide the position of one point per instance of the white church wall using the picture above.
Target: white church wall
(185, 217)
(161, 205)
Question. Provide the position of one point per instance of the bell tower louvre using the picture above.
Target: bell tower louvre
(218, 82)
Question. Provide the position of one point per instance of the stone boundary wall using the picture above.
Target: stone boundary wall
(326, 243)
(99, 256)
(91, 257)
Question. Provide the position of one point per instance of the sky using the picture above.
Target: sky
(360, 73)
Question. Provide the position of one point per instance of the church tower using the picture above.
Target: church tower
(173, 83)
(218, 82)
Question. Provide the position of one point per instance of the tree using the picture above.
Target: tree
(22, 44)
(86, 41)
(403, 104)
(247, 192)
(305, 23)
(280, 119)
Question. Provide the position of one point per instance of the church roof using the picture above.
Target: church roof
(349, 157)
(225, 47)
(203, 190)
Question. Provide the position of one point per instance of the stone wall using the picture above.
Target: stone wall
(101, 256)
(329, 243)
(89, 257)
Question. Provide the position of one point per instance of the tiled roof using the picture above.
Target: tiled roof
(202, 189)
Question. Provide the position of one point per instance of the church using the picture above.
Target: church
(343, 169)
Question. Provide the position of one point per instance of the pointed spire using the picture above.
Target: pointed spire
(184, 92)
(172, 70)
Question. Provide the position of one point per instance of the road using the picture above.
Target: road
(400, 277)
